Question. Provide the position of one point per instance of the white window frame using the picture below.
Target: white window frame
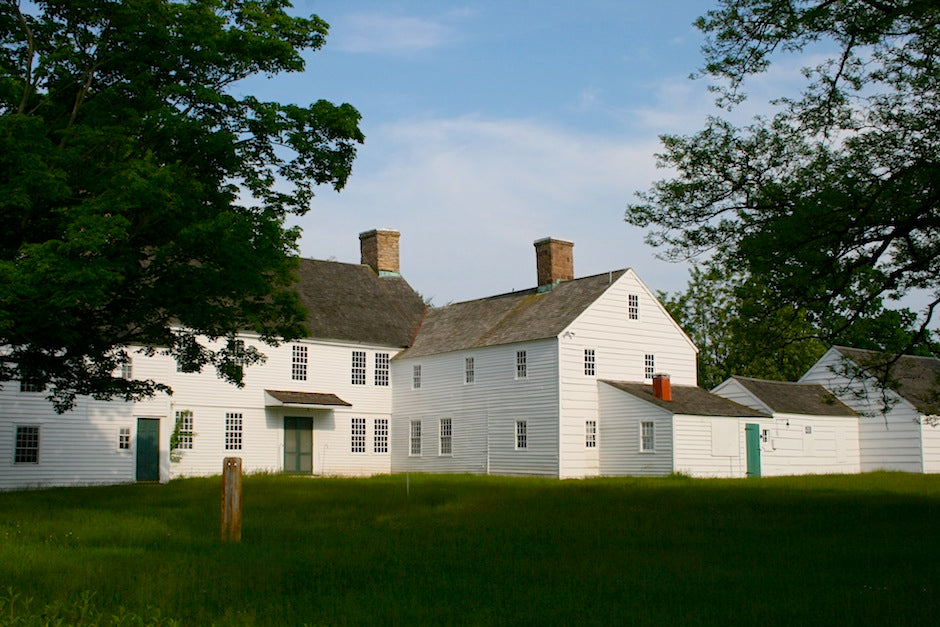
(127, 369)
(647, 436)
(522, 365)
(27, 446)
(414, 435)
(469, 370)
(416, 377)
(590, 362)
(381, 369)
(649, 366)
(358, 368)
(446, 442)
(633, 306)
(380, 435)
(298, 362)
(234, 430)
(124, 439)
(590, 434)
(31, 386)
(357, 435)
(184, 430)
(522, 435)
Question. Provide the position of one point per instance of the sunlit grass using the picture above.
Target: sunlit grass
(466, 549)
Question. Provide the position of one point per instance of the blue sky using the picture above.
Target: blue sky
(491, 124)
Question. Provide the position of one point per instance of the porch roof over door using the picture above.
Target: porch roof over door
(306, 400)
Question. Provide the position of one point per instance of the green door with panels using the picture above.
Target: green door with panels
(752, 442)
(298, 445)
(148, 449)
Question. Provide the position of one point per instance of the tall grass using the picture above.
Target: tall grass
(466, 549)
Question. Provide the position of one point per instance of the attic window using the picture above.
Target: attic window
(633, 307)
(589, 362)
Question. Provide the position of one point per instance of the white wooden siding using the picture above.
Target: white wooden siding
(886, 442)
(619, 437)
(734, 391)
(930, 436)
(79, 447)
(619, 345)
(699, 454)
(832, 447)
(483, 413)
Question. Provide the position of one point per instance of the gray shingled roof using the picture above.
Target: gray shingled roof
(796, 398)
(351, 302)
(689, 400)
(307, 398)
(916, 379)
(508, 318)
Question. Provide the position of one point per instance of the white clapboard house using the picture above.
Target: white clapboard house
(899, 426)
(812, 431)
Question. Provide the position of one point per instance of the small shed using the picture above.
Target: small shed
(813, 432)
(660, 429)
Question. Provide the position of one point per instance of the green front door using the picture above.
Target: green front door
(298, 445)
(752, 442)
(148, 449)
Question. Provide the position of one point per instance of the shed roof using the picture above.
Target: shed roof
(688, 400)
(286, 397)
(508, 318)
(916, 379)
(795, 398)
(351, 302)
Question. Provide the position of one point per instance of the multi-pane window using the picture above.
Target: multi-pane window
(358, 367)
(522, 370)
(633, 307)
(184, 430)
(469, 373)
(124, 439)
(27, 445)
(127, 370)
(238, 352)
(590, 434)
(589, 362)
(298, 362)
(649, 366)
(381, 369)
(29, 384)
(358, 435)
(380, 435)
(522, 434)
(447, 433)
(233, 431)
(647, 442)
(416, 376)
(415, 438)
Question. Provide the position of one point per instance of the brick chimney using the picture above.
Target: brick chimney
(379, 249)
(554, 260)
(661, 387)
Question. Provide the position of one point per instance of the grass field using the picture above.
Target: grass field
(464, 549)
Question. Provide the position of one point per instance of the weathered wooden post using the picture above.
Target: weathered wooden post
(232, 499)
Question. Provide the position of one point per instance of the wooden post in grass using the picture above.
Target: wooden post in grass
(232, 499)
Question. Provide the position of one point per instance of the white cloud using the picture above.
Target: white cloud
(379, 33)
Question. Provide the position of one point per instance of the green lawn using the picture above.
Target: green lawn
(827, 550)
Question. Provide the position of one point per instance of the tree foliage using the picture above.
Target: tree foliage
(831, 206)
(143, 197)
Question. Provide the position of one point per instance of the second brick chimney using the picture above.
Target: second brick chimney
(379, 248)
(554, 260)
(661, 387)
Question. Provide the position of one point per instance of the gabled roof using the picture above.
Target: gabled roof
(688, 400)
(350, 302)
(795, 398)
(916, 379)
(508, 318)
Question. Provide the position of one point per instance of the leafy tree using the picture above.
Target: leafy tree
(737, 333)
(830, 206)
(143, 198)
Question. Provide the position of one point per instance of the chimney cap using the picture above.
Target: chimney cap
(373, 232)
(549, 240)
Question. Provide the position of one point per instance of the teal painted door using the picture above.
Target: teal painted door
(752, 442)
(298, 445)
(148, 449)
